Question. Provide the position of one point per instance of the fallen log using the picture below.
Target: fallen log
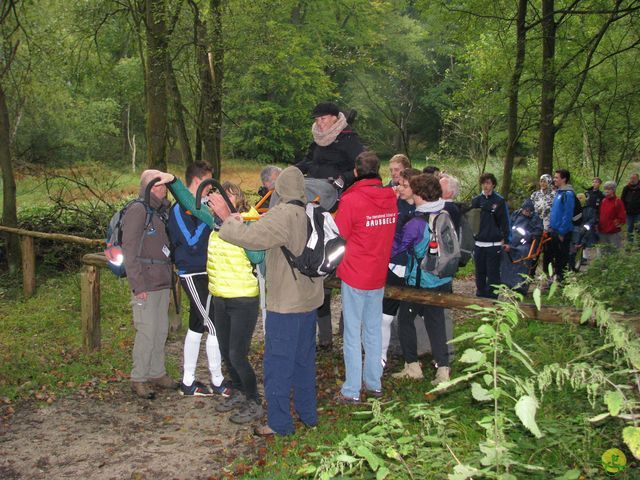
(551, 314)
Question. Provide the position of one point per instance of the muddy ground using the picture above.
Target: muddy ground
(111, 434)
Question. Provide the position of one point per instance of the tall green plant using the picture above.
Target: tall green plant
(492, 382)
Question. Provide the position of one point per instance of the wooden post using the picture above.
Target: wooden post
(90, 307)
(175, 319)
(28, 266)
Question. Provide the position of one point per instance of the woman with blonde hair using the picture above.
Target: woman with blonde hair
(234, 289)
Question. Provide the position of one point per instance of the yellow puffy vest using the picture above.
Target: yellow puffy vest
(229, 270)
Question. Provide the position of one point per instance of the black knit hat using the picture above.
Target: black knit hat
(325, 108)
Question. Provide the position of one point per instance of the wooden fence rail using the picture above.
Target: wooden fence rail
(89, 281)
(28, 252)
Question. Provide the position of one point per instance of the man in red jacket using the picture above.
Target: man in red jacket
(367, 219)
(612, 216)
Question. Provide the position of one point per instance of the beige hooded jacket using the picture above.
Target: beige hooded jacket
(284, 225)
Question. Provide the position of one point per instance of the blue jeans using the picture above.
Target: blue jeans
(290, 363)
(633, 224)
(362, 311)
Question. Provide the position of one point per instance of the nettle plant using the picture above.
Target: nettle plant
(491, 382)
(604, 384)
(386, 445)
(617, 386)
(514, 390)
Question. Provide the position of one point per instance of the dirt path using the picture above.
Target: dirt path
(114, 435)
(122, 436)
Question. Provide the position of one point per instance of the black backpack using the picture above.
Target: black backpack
(576, 217)
(324, 248)
(465, 233)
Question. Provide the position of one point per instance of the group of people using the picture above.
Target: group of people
(597, 220)
(220, 256)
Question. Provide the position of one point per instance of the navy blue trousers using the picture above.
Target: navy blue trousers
(290, 364)
(487, 261)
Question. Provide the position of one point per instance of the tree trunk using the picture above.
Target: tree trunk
(514, 90)
(181, 128)
(548, 94)
(9, 210)
(216, 63)
(156, 84)
(204, 138)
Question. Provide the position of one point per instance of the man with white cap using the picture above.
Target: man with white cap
(145, 246)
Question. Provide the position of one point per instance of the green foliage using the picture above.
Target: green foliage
(54, 255)
(41, 352)
(385, 445)
(631, 436)
(614, 279)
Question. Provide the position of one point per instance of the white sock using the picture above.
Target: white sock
(215, 360)
(386, 336)
(190, 356)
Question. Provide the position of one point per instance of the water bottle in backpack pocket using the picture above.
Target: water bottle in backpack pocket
(442, 257)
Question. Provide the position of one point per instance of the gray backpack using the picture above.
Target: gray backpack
(443, 251)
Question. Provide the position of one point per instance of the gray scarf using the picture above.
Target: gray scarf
(327, 138)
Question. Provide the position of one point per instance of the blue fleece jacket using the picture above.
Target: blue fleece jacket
(562, 210)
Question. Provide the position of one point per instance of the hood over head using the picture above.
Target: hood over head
(146, 177)
(528, 205)
(290, 185)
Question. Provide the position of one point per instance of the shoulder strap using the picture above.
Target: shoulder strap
(147, 222)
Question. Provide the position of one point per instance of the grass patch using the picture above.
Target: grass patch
(41, 354)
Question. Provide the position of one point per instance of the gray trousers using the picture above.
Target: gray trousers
(614, 239)
(151, 321)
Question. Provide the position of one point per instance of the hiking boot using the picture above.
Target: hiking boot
(196, 389)
(236, 400)
(164, 381)
(411, 370)
(342, 400)
(442, 375)
(264, 431)
(374, 393)
(142, 390)
(223, 390)
(251, 411)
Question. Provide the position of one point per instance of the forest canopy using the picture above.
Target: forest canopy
(183, 80)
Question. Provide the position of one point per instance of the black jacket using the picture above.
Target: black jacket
(631, 198)
(594, 198)
(494, 218)
(335, 160)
